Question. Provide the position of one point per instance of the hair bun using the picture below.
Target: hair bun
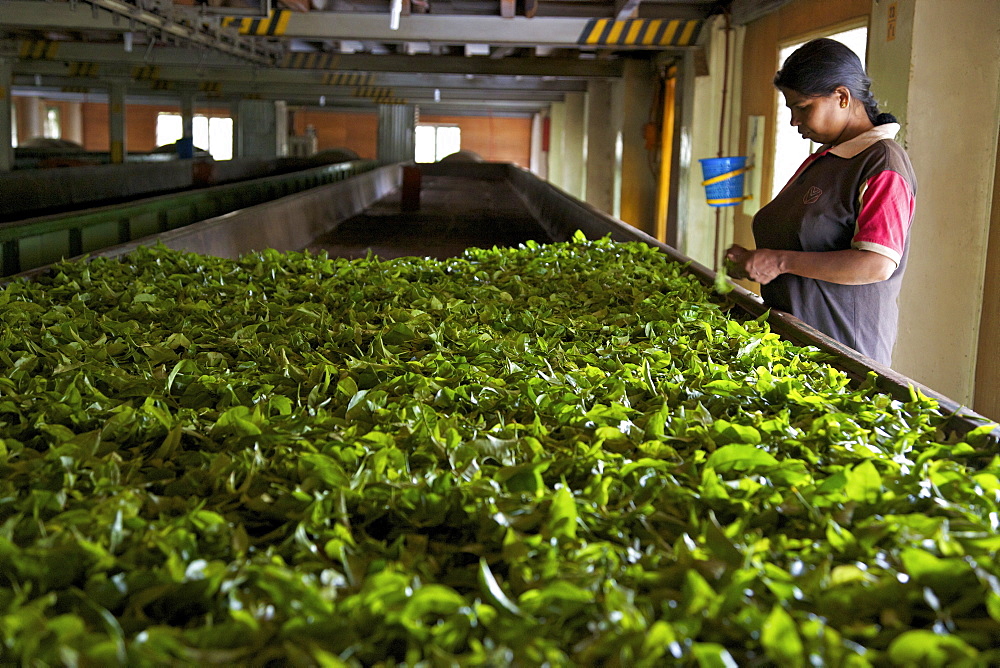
(884, 118)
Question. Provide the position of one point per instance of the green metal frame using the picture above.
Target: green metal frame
(37, 242)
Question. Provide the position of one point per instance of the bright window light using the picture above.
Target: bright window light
(212, 134)
(434, 142)
(168, 129)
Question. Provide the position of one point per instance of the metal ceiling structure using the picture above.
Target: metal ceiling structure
(517, 56)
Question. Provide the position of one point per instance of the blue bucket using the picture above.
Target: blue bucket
(724, 180)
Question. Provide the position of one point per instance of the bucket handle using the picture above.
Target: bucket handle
(727, 175)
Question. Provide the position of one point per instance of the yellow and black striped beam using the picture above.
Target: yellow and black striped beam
(311, 60)
(374, 92)
(38, 49)
(83, 69)
(210, 86)
(651, 33)
(348, 79)
(275, 24)
(146, 73)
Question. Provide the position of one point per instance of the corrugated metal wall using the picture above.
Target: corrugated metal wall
(396, 132)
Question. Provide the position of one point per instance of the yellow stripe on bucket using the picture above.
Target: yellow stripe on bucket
(723, 177)
(730, 200)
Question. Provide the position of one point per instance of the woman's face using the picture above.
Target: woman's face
(821, 119)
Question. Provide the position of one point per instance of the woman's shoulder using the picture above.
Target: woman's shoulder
(888, 155)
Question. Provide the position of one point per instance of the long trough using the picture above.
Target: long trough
(292, 222)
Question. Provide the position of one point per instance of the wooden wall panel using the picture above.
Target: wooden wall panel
(357, 131)
(140, 124)
(496, 139)
(95, 126)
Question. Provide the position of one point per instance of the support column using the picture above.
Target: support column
(186, 146)
(539, 146)
(604, 151)
(35, 121)
(557, 145)
(396, 132)
(576, 145)
(638, 181)
(116, 119)
(73, 122)
(680, 168)
(234, 114)
(6, 148)
(259, 129)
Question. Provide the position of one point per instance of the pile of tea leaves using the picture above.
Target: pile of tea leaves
(563, 454)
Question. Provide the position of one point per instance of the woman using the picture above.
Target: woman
(832, 245)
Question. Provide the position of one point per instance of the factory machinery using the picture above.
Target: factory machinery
(351, 208)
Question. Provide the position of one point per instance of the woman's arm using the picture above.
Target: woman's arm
(847, 267)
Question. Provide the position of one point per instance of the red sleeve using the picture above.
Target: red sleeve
(886, 213)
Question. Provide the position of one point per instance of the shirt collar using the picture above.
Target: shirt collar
(852, 147)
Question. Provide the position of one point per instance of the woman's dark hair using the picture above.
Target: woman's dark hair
(818, 67)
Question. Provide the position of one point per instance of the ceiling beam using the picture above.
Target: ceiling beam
(284, 90)
(33, 51)
(119, 16)
(142, 95)
(561, 32)
(103, 57)
(539, 66)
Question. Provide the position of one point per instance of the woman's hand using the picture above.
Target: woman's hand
(761, 265)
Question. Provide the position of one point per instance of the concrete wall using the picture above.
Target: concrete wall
(575, 145)
(638, 182)
(604, 122)
(704, 223)
(951, 111)
(557, 144)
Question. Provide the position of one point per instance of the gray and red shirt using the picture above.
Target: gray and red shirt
(859, 194)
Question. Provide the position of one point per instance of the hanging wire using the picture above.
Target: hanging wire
(722, 130)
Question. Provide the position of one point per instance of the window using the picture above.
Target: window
(790, 149)
(52, 129)
(212, 134)
(434, 142)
